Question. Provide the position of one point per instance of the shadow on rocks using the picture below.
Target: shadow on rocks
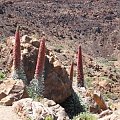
(73, 105)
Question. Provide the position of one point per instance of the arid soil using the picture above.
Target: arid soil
(7, 113)
(95, 24)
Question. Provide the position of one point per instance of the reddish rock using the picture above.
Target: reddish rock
(99, 100)
(12, 90)
(8, 100)
(2, 95)
(58, 86)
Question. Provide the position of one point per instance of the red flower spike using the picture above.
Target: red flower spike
(71, 71)
(80, 76)
(16, 50)
(40, 59)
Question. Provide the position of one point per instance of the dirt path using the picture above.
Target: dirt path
(7, 113)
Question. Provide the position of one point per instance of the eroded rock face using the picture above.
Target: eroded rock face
(27, 108)
(57, 84)
(12, 90)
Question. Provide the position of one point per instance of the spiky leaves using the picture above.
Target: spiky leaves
(80, 76)
(71, 71)
(37, 84)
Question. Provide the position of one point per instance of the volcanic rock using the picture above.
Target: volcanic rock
(27, 108)
(12, 90)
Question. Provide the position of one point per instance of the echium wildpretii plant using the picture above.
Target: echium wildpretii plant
(80, 76)
(71, 71)
(18, 71)
(36, 88)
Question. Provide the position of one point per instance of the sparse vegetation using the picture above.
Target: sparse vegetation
(85, 116)
(89, 81)
(112, 59)
(2, 76)
(104, 62)
(49, 117)
(2, 37)
(74, 105)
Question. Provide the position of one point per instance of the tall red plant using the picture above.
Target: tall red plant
(80, 76)
(16, 50)
(40, 59)
(36, 88)
(71, 71)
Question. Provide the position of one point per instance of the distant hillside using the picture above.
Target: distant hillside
(93, 23)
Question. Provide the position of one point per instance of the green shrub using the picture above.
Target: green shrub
(85, 116)
(2, 76)
(112, 59)
(49, 117)
(89, 81)
(74, 105)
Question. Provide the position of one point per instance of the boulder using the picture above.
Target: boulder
(8, 100)
(25, 39)
(12, 90)
(57, 84)
(5, 88)
(99, 100)
(35, 43)
(27, 108)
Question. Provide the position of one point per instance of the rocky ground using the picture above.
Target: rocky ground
(7, 112)
(100, 74)
(94, 24)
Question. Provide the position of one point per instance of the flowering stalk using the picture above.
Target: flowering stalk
(40, 59)
(18, 71)
(37, 84)
(16, 51)
(80, 76)
(71, 71)
(16, 56)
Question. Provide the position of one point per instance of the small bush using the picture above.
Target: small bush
(89, 81)
(49, 117)
(85, 116)
(2, 76)
(112, 59)
(74, 105)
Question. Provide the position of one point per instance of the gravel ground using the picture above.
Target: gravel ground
(7, 113)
